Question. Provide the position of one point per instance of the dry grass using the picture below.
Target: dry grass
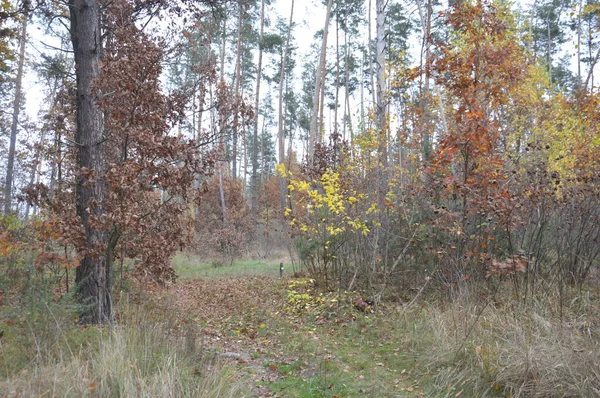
(143, 356)
(511, 349)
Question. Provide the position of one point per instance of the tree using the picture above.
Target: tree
(281, 130)
(254, 176)
(548, 34)
(14, 127)
(319, 90)
(135, 178)
(94, 274)
(480, 70)
(381, 107)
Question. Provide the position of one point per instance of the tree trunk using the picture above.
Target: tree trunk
(254, 177)
(14, 127)
(382, 95)
(579, 15)
(281, 131)
(315, 128)
(369, 47)
(337, 75)
(35, 169)
(549, 54)
(425, 17)
(238, 76)
(93, 275)
(221, 142)
(346, 116)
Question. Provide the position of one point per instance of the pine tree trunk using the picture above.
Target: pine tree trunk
(425, 17)
(369, 47)
(14, 127)
(382, 95)
(254, 177)
(347, 113)
(281, 131)
(221, 143)
(238, 75)
(35, 170)
(337, 75)
(315, 128)
(93, 277)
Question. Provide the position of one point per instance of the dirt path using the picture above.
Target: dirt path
(244, 322)
(232, 318)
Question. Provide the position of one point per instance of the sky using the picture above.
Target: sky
(309, 17)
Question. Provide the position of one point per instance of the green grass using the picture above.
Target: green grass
(188, 266)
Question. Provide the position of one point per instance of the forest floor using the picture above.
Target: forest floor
(239, 330)
(286, 340)
(286, 346)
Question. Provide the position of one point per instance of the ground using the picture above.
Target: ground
(284, 348)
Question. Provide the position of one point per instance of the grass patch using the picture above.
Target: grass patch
(466, 347)
(324, 380)
(189, 266)
(43, 352)
(511, 349)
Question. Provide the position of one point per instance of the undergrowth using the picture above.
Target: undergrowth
(44, 352)
(439, 347)
(511, 348)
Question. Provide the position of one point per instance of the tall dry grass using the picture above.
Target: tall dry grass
(486, 348)
(143, 355)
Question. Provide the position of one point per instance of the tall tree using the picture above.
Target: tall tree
(14, 127)
(94, 275)
(319, 90)
(548, 35)
(254, 177)
(238, 85)
(281, 130)
(381, 109)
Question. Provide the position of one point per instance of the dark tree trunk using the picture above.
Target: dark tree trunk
(93, 277)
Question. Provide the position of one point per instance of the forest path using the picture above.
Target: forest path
(232, 318)
(246, 322)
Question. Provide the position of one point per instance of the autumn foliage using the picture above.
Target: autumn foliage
(509, 191)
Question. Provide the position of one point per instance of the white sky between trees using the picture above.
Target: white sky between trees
(309, 17)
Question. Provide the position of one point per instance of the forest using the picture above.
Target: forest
(285, 198)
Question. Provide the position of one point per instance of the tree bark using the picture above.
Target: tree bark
(337, 75)
(347, 114)
(94, 274)
(369, 46)
(425, 17)
(238, 76)
(281, 131)
(222, 126)
(315, 128)
(382, 95)
(254, 177)
(14, 127)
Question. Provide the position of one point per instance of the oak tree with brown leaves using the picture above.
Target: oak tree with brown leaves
(135, 179)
